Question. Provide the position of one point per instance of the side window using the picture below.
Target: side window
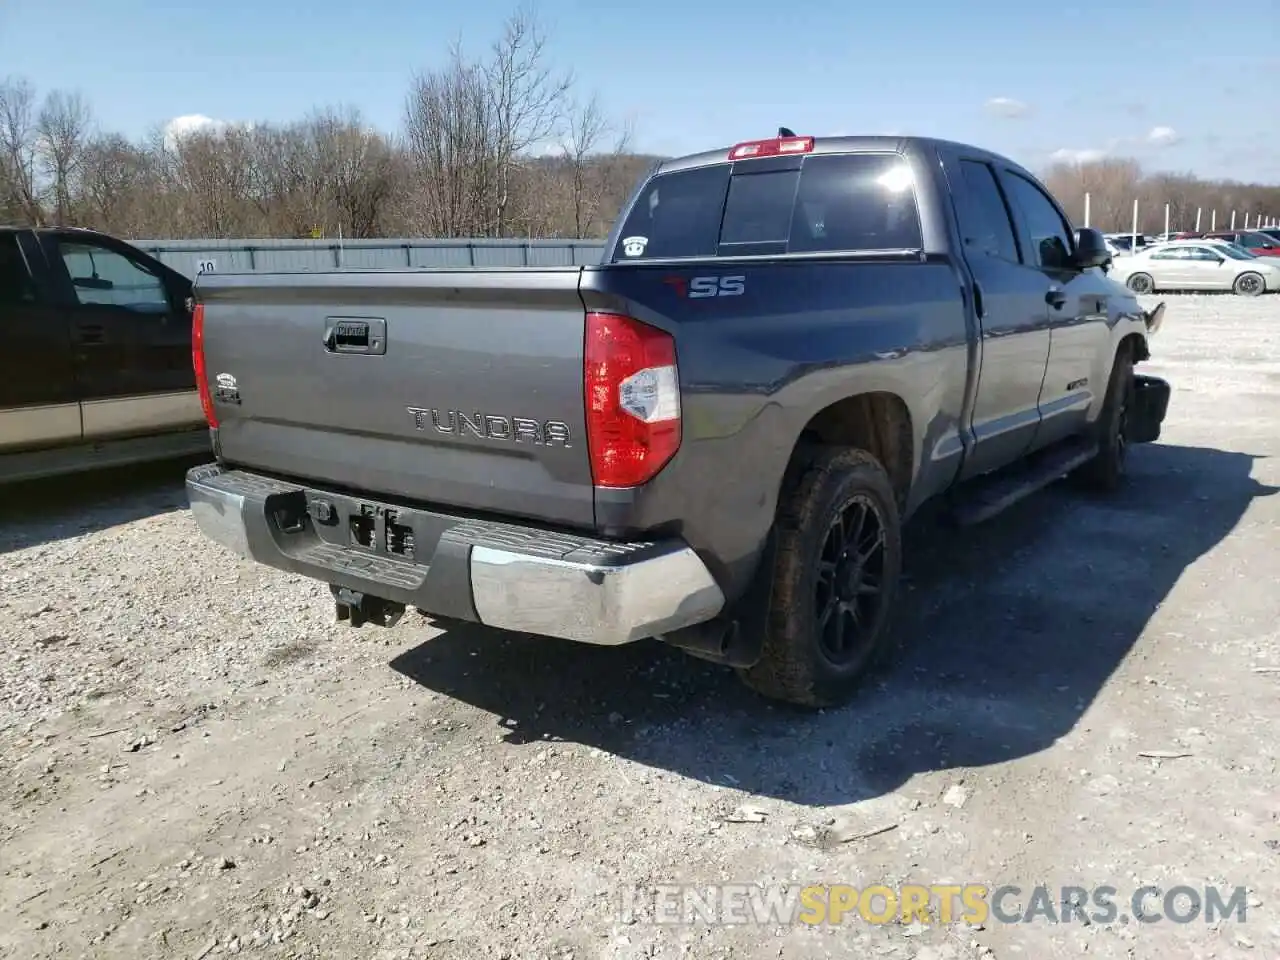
(1050, 234)
(104, 277)
(984, 219)
(15, 280)
(1202, 253)
(1176, 253)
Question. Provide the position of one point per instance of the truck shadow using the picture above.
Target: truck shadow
(1009, 631)
(44, 511)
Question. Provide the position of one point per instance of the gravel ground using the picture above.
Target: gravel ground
(195, 761)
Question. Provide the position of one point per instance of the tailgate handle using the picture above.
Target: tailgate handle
(361, 335)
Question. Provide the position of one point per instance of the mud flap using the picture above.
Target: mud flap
(1150, 405)
(736, 637)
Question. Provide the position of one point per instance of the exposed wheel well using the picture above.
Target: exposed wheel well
(1137, 345)
(876, 422)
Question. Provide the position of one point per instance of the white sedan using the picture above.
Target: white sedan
(1196, 265)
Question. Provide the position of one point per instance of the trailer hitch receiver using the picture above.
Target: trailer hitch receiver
(358, 608)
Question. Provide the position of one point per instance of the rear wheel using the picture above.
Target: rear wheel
(1249, 285)
(1106, 471)
(1141, 283)
(834, 580)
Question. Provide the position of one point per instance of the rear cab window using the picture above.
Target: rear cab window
(855, 202)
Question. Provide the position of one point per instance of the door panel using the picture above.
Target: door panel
(1013, 313)
(1169, 269)
(1078, 313)
(1208, 269)
(132, 339)
(147, 413)
(38, 404)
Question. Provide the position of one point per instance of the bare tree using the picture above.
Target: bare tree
(528, 102)
(470, 129)
(354, 166)
(19, 196)
(591, 164)
(450, 139)
(63, 126)
(115, 186)
(210, 171)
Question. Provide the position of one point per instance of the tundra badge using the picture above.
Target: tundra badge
(488, 426)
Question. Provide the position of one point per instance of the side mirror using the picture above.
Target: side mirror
(1091, 249)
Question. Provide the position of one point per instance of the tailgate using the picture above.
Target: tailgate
(463, 389)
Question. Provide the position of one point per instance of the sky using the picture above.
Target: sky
(1165, 81)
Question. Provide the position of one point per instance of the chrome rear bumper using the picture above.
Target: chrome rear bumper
(498, 574)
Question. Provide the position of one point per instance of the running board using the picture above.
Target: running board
(983, 498)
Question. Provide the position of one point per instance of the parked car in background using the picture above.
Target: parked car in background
(1272, 232)
(1257, 242)
(1197, 265)
(1219, 242)
(1115, 250)
(1127, 241)
(96, 365)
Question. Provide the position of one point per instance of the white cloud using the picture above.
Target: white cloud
(1067, 155)
(1007, 107)
(550, 148)
(190, 123)
(1163, 136)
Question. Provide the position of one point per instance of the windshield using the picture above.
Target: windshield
(1256, 240)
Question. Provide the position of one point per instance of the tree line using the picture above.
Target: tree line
(1114, 184)
(501, 145)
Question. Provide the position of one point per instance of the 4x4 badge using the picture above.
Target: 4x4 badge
(226, 389)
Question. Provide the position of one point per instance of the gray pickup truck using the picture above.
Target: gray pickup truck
(712, 437)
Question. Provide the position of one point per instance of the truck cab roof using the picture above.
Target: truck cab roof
(41, 231)
(846, 144)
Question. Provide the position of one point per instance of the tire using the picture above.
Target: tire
(1141, 283)
(813, 577)
(1249, 285)
(1106, 471)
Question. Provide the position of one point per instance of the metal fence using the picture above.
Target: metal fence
(237, 256)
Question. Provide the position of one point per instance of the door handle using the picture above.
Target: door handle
(1056, 299)
(90, 333)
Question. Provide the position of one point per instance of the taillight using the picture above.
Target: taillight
(197, 361)
(632, 398)
(771, 148)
